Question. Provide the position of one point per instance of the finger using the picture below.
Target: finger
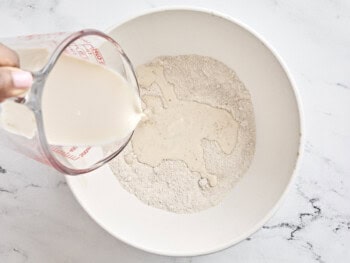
(14, 82)
(8, 57)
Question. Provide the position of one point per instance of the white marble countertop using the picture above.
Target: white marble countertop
(40, 221)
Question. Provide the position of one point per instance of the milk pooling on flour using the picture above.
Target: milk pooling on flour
(197, 138)
(82, 104)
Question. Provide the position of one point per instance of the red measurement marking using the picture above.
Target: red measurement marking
(48, 36)
(85, 152)
(85, 50)
(70, 153)
(73, 149)
(77, 50)
(64, 154)
(30, 37)
(99, 56)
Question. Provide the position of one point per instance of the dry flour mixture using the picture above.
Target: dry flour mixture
(197, 138)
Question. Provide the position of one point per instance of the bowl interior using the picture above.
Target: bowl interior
(252, 201)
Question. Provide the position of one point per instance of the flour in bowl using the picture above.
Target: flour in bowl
(197, 138)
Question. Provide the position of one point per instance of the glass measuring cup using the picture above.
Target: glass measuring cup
(39, 55)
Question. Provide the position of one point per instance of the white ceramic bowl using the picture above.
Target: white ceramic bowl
(278, 122)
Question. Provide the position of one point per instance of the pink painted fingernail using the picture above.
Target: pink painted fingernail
(22, 79)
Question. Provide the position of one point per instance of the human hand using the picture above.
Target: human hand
(13, 81)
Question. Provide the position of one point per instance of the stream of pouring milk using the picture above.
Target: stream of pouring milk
(83, 104)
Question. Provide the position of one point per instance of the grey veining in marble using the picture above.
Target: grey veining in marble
(40, 221)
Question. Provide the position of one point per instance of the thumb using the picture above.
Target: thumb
(14, 82)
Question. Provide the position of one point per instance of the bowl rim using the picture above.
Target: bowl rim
(269, 215)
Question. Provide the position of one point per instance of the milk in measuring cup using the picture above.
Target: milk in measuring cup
(83, 104)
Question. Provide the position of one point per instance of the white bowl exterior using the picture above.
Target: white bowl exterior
(253, 200)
